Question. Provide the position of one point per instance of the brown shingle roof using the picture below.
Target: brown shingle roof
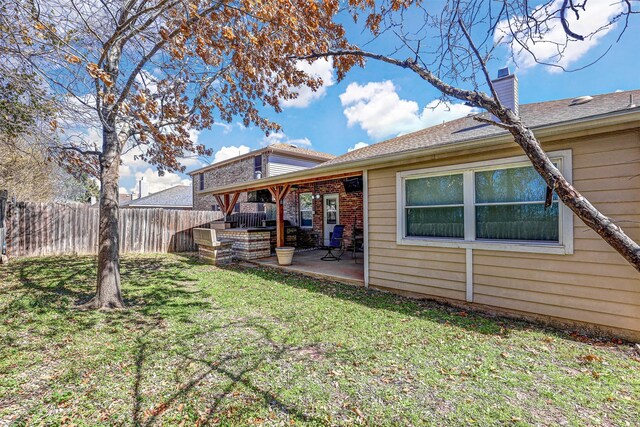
(300, 151)
(466, 128)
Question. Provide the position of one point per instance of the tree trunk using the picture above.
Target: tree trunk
(108, 286)
(594, 219)
(524, 137)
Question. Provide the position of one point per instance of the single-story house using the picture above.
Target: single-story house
(177, 197)
(455, 212)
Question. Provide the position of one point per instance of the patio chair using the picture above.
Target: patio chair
(335, 244)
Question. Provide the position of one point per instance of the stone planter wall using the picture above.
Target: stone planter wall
(247, 244)
(219, 254)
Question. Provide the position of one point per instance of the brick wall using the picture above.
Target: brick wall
(349, 205)
(247, 244)
(238, 171)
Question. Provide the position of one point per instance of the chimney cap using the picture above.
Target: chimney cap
(503, 72)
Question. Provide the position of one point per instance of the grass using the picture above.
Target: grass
(247, 346)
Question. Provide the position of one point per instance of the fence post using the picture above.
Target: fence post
(4, 195)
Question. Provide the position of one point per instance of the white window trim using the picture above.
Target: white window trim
(306, 227)
(565, 216)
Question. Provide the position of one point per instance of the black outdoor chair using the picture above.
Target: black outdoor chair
(335, 244)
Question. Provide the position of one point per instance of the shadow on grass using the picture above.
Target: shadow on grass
(236, 367)
(377, 299)
(154, 287)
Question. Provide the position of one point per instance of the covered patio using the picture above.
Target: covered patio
(307, 207)
(308, 262)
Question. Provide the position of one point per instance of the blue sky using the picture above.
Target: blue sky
(382, 101)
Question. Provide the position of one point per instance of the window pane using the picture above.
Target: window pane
(510, 185)
(306, 201)
(306, 219)
(435, 190)
(435, 222)
(517, 222)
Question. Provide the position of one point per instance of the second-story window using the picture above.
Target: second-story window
(201, 181)
(257, 167)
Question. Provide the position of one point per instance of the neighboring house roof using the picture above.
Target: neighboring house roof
(293, 149)
(125, 198)
(535, 115)
(179, 196)
(279, 148)
(545, 118)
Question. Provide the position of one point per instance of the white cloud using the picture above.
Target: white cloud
(123, 190)
(130, 164)
(155, 183)
(378, 109)
(226, 153)
(147, 81)
(191, 160)
(281, 138)
(553, 47)
(322, 68)
(226, 127)
(358, 146)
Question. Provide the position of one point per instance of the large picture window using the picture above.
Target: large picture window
(494, 205)
(509, 205)
(306, 210)
(435, 206)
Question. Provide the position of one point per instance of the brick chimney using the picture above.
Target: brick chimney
(506, 86)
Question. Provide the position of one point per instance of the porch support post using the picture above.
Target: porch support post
(280, 224)
(231, 201)
(220, 201)
(279, 192)
(227, 202)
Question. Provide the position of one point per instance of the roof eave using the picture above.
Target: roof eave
(542, 132)
(301, 155)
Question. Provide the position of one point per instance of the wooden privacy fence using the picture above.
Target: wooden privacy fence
(3, 206)
(37, 229)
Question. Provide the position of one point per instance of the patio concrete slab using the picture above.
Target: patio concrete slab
(347, 270)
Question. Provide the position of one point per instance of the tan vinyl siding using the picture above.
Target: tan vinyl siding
(436, 272)
(594, 285)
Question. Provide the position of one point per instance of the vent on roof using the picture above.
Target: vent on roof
(293, 145)
(631, 103)
(580, 100)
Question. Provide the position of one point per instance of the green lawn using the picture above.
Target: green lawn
(247, 346)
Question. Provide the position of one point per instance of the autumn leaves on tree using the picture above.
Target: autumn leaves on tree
(147, 72)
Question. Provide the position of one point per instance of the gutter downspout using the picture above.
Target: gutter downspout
(365, 220)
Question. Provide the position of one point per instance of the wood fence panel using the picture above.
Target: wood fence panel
(37, 229)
